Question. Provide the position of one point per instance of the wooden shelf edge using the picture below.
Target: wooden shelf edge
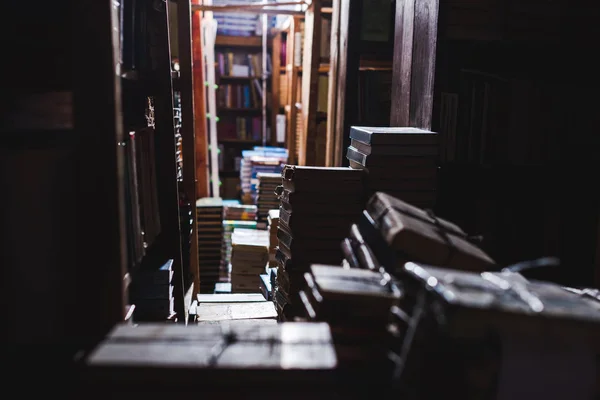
(240, 41)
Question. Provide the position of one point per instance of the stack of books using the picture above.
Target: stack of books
(318, 204)
(228, 227)
(266, 199)
(391, 232)
(234, 211)
(152, 294)
(500, 324)
(400, 161)
(235, 215)
(259, 160)
(273, 225)
(249, 255)
(209, 211)
(227, 360)
(356, 304)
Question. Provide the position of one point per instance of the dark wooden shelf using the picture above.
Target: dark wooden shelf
(246, 110)
(229, 173)
(240, 41)
(240, 141)
(238, 78)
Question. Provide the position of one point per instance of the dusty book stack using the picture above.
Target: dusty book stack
(318, 204)
(235, 215)
(519, 335)
(400, 161)
(266, 199)
(152, 294)
(249, 256)
(209, 213)
(227, 360)
(356, 304)
(391, 232)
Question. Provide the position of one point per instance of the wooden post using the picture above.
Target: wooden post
(348, 66)
(310, 83)
(188, 127)
(200, 127)
(292, 74)
(275, 101)
(597, 261)
(166, 161)
(334, 140)
(414, 63)
(100, 247)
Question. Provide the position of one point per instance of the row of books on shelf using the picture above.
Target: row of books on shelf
(495, 119)
(240, 96)
(240, 128)
(142, 210)
(240, 24)
(239, 64)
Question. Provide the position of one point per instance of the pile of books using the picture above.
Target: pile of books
(152, 294)
(266, 199)
(318, 204)
(249, 256)
(400, 161)
(391, 232)
(228, 227)
(356, 304)
(524, 338)
(234, 211)
(209, 214)
(272, 226)
(235, 215)
(227, 360)
(260, 159)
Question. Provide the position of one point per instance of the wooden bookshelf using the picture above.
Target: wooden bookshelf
(240, 41)
(229, 115)
(357, 55)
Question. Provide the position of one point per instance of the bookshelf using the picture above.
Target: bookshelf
(239, 78)
(306, 145)
(156, 161)
(362, 43)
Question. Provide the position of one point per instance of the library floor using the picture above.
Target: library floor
(235, 308)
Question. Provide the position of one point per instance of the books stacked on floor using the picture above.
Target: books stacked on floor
(266, 199)
(228, 227)
(235, 215)
(209, 214)
(318, 204)
(227, 360)
(273, 225)
(391, 232)
(234, 211)
(249, 255)
(501, 325)
(356, 304)
(265, 286)
(400, 161)
(260, 159)
(152, 294)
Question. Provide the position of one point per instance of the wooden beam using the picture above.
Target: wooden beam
(292, 78)
(271, 8)
(200, 126)
(348, 66)
(166, 161)
(188, 128)
(334, 142)
(310, 84)
(275, 81)
(414, 63)
(100, 251)
(597, 261)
